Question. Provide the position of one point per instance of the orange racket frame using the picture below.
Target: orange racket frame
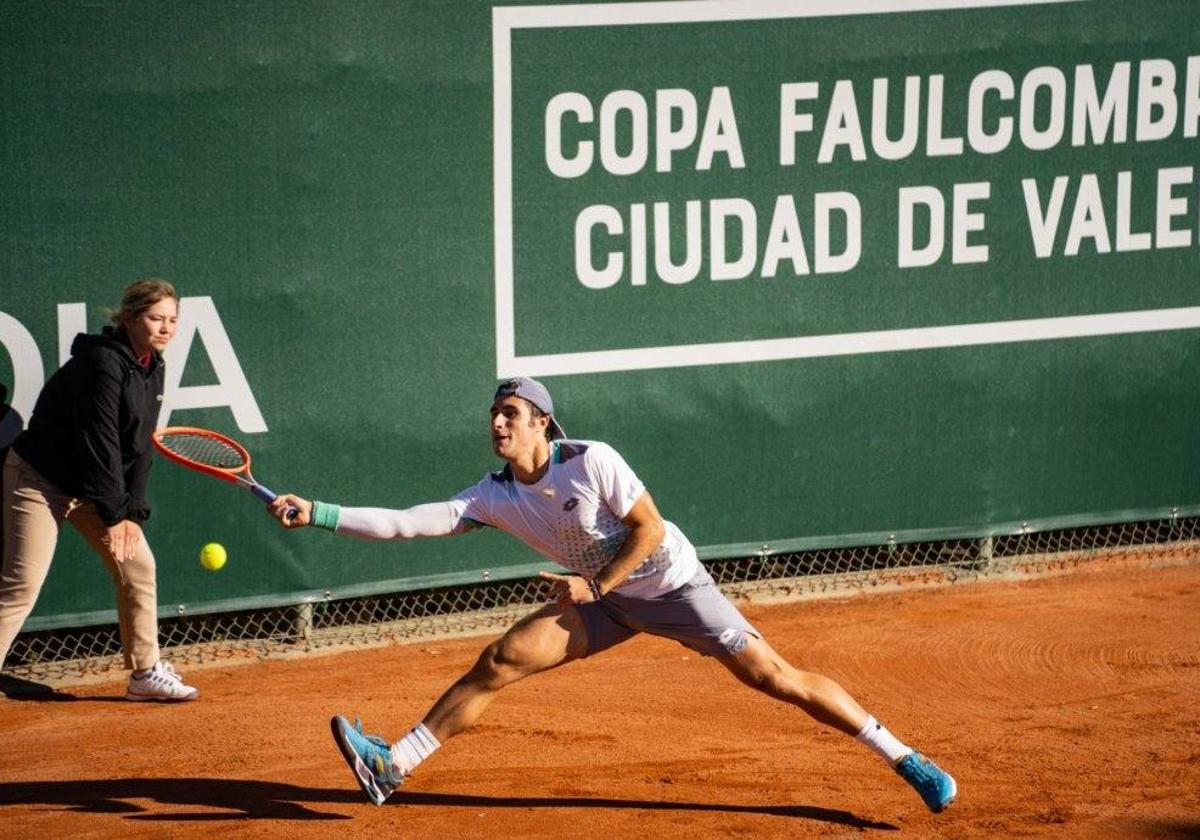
(236, 475)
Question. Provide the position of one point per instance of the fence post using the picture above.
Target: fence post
(302, 619)
(986, 547)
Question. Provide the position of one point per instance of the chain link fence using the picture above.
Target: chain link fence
(82, 654)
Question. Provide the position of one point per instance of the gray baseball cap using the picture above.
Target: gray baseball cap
(534, 392)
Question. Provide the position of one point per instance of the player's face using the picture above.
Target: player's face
(154, 328)
(515, 431)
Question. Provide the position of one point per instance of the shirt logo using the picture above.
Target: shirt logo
(572, 503)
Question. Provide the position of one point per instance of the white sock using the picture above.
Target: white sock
(413, 748)
(875, 735)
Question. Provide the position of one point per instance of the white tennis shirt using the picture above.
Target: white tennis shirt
(572, 515)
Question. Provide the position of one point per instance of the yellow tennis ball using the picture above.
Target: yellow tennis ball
(212, 556)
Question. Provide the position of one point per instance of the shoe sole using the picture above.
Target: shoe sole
(361, 772)
(158, 698)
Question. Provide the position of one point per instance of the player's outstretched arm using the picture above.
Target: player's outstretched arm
(435, 519)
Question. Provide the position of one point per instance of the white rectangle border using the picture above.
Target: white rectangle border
(508, 363)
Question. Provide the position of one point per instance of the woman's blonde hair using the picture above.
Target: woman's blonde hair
(139, 296)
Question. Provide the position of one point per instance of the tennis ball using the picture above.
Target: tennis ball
(212, 556)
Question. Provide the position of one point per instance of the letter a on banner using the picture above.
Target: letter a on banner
(198, 316)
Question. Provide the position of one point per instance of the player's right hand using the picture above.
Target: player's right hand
(568, 590)
(282, 504)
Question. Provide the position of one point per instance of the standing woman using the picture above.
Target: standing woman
(84, 459)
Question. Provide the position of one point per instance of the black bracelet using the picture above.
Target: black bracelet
(594, 588)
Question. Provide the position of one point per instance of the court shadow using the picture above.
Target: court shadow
(28, 691)
(235, 799)
(15, 688)
(806, 812)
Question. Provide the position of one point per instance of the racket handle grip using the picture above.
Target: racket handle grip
(267, 496)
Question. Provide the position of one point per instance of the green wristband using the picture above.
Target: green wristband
(325, 515)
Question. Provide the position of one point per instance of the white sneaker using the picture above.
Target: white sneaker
(162, 682)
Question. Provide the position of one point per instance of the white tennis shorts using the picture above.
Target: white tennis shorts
(697, 615)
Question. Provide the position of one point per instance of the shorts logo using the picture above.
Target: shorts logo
(572, 503)
(733, 640)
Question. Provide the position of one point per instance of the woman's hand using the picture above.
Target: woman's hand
(123, 539)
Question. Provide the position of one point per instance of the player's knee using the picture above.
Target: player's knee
(771, 676)
(771, 680)
(499, 664)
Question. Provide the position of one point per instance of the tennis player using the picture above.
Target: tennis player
(578, 503)
(85, 459)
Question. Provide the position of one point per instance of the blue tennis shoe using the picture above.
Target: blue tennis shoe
(369, 757)
(936, 786)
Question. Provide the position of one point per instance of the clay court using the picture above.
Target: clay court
(1063, 705)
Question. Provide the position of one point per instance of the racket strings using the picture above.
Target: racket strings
(204, 450)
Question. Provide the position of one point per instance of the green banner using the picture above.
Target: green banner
(824, 273)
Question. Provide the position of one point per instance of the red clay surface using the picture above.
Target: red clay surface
(1063, 705)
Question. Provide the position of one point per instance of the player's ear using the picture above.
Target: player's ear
(536, 418)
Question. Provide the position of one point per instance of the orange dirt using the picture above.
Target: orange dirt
(1063, 706)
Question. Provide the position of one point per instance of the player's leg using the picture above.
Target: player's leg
(136, 585)
(550, 637)
(33, 511)
(759, 666)
(698, 615)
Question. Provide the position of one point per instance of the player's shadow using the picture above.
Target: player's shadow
(807, 812)
(234, 799)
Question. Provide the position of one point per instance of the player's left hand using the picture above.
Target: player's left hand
(568, 589)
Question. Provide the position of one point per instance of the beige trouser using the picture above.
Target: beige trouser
(34, 510)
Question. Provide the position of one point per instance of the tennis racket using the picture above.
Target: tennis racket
(213, 454)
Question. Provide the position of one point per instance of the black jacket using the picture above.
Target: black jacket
(90, 430)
